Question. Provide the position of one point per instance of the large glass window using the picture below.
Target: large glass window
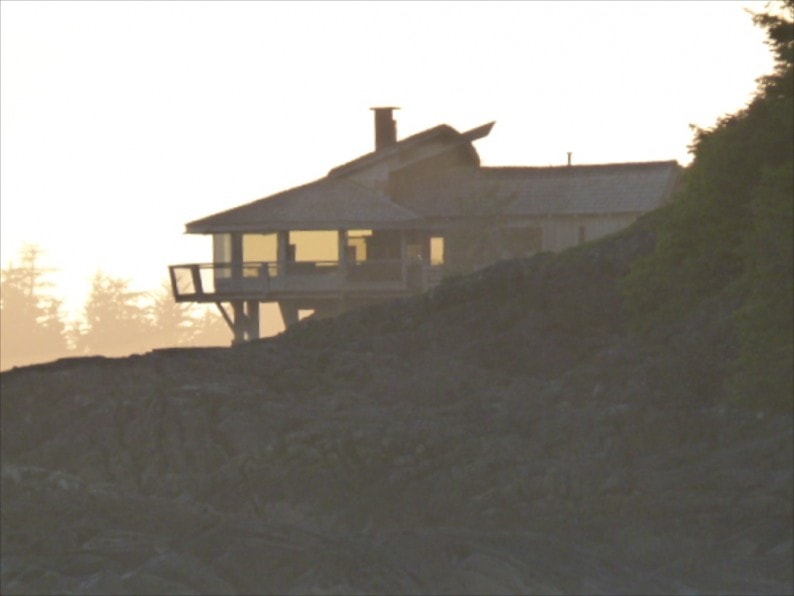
(259, 247)
(222, 253)
(357, 245)
(315, 246)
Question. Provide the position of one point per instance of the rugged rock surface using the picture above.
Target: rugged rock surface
(503, 434)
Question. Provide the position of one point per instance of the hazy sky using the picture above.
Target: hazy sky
(122, 121)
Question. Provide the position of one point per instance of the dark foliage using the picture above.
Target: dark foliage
(727, 238)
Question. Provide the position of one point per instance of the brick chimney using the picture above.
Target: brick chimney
(385, 127)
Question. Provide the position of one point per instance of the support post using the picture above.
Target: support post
(226, 316)
(289, 313)
(240, 322)
(252, 316)
(244, 322)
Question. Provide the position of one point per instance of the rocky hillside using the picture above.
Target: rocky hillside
(503, 434)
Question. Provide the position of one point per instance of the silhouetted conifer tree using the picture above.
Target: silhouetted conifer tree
(115, 320)
(31, 328)
(211, 330)
(181, 324)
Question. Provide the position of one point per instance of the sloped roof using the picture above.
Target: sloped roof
(441, 131)
(608, 188)
(530, 191)
(452, 192)
(328, 203)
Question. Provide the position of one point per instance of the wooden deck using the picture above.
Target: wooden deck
(271, 281)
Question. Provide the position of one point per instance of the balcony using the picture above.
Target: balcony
(269, 281)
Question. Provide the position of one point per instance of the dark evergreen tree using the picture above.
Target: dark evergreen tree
(729, 234)
(173, 322)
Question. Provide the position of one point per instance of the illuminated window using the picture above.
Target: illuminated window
(357, 244)
(437, 250)
(315, 246)
(259, 247)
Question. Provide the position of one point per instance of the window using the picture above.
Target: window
(357, 244)
(437, 250)
(222, 253)
(259, 247)
(315, 246)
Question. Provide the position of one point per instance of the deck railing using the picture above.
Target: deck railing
(200, 279)
(263, 279)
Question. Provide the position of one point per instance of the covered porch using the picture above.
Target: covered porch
(325, 271)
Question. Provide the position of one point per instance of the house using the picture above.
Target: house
(391, 223)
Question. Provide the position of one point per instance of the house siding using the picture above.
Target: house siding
(561, 232)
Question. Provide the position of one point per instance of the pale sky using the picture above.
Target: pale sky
(122, 121)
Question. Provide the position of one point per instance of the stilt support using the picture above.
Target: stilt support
(244, 321)
(289, 313)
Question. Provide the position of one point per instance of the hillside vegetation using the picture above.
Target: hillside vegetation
(725, 244)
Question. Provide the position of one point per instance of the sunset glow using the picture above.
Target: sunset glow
(123, 121)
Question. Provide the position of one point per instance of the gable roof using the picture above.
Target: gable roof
(440, 132)
(328, 203)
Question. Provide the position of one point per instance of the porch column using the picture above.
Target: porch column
(282, 250)
(343, 272)
(342, 258)
(427, 262)
(342, 246)
(237, 255)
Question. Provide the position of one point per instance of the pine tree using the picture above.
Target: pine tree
(31, 327)
(115, 322)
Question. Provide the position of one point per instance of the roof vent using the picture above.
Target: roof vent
(385, 127)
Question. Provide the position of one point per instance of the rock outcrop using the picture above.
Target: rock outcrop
(504, 434)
